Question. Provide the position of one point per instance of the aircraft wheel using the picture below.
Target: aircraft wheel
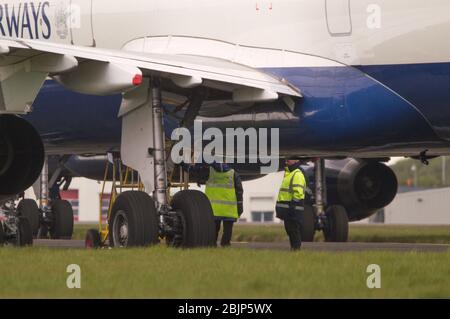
(92, 239)
(29, 209)
(134, 221)
(24, 236)
(62, 227)
(198, 219)
(336, 229)
(308, 226)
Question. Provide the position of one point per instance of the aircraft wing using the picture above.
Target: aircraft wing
(25, 64)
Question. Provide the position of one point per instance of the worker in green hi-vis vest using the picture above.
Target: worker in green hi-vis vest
(224, 191)
(290, 202)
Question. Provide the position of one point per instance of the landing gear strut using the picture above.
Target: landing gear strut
(55, 214)
(188, 220)
(135, 218)
(160, 192)
(332, 220)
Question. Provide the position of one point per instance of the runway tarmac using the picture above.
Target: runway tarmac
(320, 246)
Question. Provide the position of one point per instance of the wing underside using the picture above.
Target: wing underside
(25, 64)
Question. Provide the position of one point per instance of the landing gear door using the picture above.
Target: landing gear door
(338, 17)
(80, 21)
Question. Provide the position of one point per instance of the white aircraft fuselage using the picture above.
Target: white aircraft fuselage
(348, 32)
(362, 67)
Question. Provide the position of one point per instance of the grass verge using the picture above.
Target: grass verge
(161, 272)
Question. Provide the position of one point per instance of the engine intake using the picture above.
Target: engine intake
(21, 155)
(362, 187)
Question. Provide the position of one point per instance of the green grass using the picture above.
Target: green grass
(162, 272)
(358, 233)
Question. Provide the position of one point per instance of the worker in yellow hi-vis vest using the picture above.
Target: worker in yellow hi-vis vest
(225, 192)
(290, 203)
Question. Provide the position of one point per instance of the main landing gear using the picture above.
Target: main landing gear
(14, 229)
(55, 214)
(135, 218)
(332, 220)
(53, 217)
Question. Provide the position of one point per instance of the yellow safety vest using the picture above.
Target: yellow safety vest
(293, 186)
(221, 193)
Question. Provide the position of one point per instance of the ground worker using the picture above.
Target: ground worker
(290, 203)
(224, 191)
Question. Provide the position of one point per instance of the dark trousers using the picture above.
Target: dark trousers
(292, 227)
(227, 232)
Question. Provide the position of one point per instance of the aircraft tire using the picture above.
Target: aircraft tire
(29, 209)
(336, 229)
(62, 227)
(134, 221)
(308, 225)
(93, 239)
(24, 236)
(199, 228)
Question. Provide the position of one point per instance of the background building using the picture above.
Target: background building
(423, 207)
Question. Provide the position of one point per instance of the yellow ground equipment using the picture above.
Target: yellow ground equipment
(123, 178)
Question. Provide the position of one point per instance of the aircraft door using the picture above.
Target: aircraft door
(338, 17)
(81, 22)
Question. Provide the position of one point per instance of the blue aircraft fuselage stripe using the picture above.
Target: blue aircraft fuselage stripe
(343, 109)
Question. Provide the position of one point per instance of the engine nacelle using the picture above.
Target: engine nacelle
(362, 187)
(91, 167)
(21, 155)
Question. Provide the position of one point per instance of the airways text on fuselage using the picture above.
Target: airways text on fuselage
(25, 20)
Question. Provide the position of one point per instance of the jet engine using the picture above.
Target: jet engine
(362, 187)
(21, 155)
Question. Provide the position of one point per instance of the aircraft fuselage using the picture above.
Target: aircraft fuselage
(375, 78)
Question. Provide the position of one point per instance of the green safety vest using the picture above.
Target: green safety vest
(222, 193)
(293, 186)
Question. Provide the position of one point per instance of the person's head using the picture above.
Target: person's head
(220, 167)
(290, 162)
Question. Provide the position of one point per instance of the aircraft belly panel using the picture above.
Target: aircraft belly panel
(344, 108)
(426, 86)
